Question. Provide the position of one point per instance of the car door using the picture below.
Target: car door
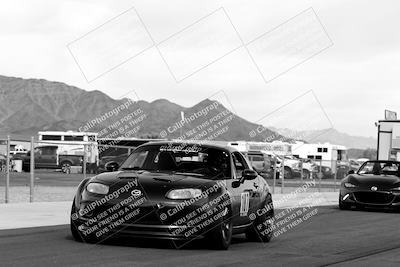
(246, 195)
(38, 157)
(48, 157)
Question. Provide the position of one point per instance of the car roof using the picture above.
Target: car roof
(384, 161)
(201, 143)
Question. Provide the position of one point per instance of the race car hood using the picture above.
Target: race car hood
(154, 185)
(382, 181)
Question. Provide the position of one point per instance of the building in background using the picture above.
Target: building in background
(388, 140)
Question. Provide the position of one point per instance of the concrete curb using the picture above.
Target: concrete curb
(22, 215)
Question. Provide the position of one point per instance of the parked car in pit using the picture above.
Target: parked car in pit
(176, 191)
(263, 164)
(354, 165)
(376, 184)
(49, 157)
(3, 163)
(111, 163)
(295, 166)
(326, 172)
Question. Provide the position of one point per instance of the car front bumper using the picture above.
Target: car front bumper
(151, 221)
(368, 198)
(156, 231)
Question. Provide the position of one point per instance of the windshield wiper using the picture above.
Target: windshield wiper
(132, 169)
(189, 173)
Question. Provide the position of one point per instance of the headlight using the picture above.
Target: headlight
(396, 189)
(187, 193)
(349, 185)
(97, 188)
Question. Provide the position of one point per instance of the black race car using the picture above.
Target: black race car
(178, 191)
(376, 184)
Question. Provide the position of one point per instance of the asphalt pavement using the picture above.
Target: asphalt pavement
(331, 237)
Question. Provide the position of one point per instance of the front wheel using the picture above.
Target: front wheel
(221, 236)
(66, 167)
(262, 228)
(73, 225)
(288, 174)
(306, 174)
(76, 234)
(26, 168)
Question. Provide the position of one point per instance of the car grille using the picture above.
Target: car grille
(373, 197)
(147, 215)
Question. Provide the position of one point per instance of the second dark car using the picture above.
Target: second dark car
(376, 184)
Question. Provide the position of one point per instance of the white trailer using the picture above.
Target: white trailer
(276, 148)
(329, 154)
(71, 142)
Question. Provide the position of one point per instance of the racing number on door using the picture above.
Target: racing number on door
(245, 193)
(244, 203)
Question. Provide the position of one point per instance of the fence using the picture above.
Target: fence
(36, 184)
(53, 177)
(292, 173)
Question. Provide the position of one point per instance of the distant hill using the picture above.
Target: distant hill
(355, 153)
(330, 136)
(31, 105)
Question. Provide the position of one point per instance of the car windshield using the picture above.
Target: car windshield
(380, 168)
(181, 159)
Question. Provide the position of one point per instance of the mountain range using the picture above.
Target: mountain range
(31, 105)
(330, 135)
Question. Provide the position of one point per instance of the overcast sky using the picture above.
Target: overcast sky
(354, 79)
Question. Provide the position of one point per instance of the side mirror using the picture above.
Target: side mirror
(351, 172)
(236, 183)
(111, 166)
(249, 174)
(246, 175)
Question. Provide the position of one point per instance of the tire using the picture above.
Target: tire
(220, 236)
(306, 174)
(288, 174)
(26, 168)
(264, 234)
(65, 166)
(75, 231)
